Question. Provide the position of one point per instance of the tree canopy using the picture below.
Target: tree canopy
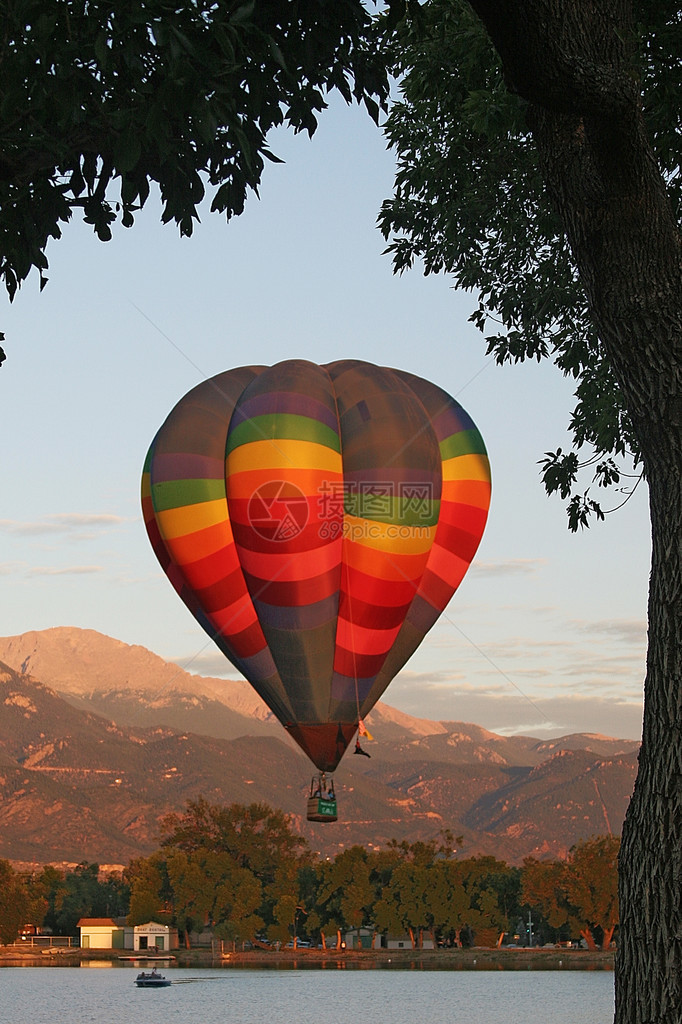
(471, 201)
(99, 101)
(539, 163)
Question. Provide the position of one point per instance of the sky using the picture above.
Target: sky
(547, 633)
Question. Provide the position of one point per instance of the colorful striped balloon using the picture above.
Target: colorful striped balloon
(316, 520)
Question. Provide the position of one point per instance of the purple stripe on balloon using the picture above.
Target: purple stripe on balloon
(343, 688)
(422, 615)
(181, 466)
(284, 401)
(452, 421)
(393, 475)
(306, 616)
(257, 666)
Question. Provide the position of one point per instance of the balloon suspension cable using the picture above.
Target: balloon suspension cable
(322, 786)
(358, 748)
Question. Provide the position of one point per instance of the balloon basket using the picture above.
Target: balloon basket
(322, 800)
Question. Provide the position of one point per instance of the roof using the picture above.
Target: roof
(97, 922)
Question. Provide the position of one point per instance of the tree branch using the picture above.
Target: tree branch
(574, 76)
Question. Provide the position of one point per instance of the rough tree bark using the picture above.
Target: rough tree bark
(572, 61)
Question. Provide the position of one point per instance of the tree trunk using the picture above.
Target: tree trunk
(571, 61)
(588, 938)
(607, 936)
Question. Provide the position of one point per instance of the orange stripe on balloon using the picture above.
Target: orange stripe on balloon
(351, 665)
(215, 567)
(373, 588)
(385, 567)
(449, 566)
(287, 566)
(363, 641)
(246, 642)
(310, 481)
(200, 544)
(235, 617)
(468, 492)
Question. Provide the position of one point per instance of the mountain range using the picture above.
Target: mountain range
(100, 740)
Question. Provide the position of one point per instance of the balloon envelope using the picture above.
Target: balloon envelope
(316, 520)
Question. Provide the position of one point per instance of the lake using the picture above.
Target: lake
(106, 994)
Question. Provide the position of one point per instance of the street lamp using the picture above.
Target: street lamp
(302, 910)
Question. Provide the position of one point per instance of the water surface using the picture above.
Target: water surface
(107, 995)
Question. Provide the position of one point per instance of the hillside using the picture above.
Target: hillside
(99, 740)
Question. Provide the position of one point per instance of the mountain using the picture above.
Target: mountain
(99, 740)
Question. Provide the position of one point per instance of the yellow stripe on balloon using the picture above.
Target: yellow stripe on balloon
(388, 537)
(179, 522)
(466, 467)
(283, 454)
(399, 566)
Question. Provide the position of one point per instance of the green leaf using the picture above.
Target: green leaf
(127, 152)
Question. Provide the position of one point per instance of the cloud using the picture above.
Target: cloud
(64, 522)
(207, 663)
(64, 570)
(514, 713)
(627, 631)
(10, 568)
(510, 567)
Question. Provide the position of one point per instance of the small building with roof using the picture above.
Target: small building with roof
(155, 937)
(103, 933)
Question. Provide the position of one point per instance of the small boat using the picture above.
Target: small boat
(151, 980)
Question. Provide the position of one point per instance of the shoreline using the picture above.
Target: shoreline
(475, 958)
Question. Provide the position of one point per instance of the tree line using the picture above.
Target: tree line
(244, 874)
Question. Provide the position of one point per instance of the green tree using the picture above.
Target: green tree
(192, 890)
(538, 151)
(406, 895)
(345, 894)
(209, 888)
(544, 889)
(14, 903)
(238, 895)
(580, 893)
(473, 896)
(79, 893)
(592, 886)
(102, 100)
(150, 890)
(258, 839)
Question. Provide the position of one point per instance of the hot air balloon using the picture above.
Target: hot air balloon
(316, 521)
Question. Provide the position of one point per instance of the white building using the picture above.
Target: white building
(104, 933)
(154, 936)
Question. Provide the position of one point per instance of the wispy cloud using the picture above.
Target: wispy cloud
(510, 567)
(85, 524)
(11, 568)
(64, 570)
(510, 713)
(207, 663)
(627, 631)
